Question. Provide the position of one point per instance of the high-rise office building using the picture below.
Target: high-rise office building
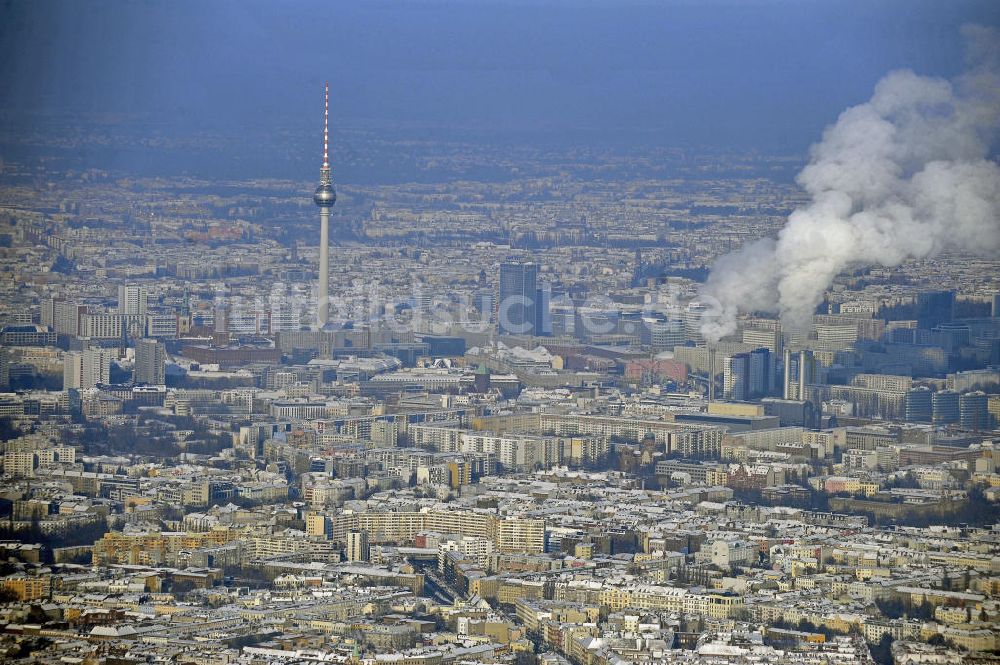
(543, 309)
(518, 290)
(132, 299)
(934, 308)
(974, 413)
(800, 370)
(748, 375)
(357, 546)
(736, 377)
(761, 373)
(150, 362)
(592, 322)
(950, 336)
(944, 407)
(564, 319)
(919, 408)
(665, 333)
(87, 368)
(995, 312)
(693, 316)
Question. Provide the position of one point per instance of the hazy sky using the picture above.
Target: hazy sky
(743, 72)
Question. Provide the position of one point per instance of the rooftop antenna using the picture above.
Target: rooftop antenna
(326, 132)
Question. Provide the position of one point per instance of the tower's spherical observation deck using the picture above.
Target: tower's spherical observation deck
(325, 196)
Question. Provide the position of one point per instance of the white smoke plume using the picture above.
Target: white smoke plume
(905, 175)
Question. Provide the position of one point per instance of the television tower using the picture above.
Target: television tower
(324, 197)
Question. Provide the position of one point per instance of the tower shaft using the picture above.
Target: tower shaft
(323, 305)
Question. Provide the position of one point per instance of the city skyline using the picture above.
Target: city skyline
(632, 333)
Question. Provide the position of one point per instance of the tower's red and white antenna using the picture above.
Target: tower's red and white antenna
(326, 127)
(326, 197)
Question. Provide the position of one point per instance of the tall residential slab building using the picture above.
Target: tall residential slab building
(132, 299)
(150, 362)
(357, 548)
(87, 368)
(64, 317)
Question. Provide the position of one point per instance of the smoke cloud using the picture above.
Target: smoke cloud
(905, 175)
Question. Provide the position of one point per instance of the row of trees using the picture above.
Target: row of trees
(148, 437)
(85, 534)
